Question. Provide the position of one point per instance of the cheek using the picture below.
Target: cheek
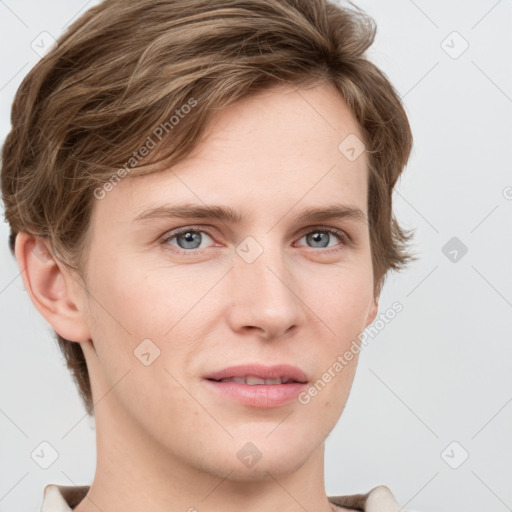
(120, 315)
(128, 319)
(342, 303)
(126, 304)
(341, 299)
(136, 310)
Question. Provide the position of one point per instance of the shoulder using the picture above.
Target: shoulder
(379, 499)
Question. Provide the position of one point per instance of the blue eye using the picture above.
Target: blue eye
(321, 237)
(189, 240)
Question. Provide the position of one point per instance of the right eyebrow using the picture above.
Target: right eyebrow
(191, 211)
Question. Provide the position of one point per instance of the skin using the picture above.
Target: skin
(164, 440)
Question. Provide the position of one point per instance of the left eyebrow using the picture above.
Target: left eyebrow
(332, 212)
(230, 215)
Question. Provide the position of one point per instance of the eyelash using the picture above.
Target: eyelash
(345, 239)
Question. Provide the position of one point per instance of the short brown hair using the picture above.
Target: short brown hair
(127, 66)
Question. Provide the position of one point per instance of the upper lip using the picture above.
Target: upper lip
(283, 371)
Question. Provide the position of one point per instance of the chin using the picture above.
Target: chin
(267, 468)
(246, 461)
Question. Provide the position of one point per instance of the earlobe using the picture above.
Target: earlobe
(51, 288)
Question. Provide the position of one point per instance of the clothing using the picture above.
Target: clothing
(63, 498)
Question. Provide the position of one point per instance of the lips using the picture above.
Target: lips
(257, 386)
(255, 374)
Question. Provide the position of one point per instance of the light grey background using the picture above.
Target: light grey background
(439, 373)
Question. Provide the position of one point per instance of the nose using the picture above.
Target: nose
(265, 295)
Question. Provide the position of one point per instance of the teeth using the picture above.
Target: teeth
(252, 381)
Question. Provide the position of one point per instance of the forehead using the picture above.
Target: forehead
(284, 124)
(278, 147)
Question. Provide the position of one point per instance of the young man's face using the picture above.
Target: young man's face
(267, 290)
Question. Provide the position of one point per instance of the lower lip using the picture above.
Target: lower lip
(258, 395)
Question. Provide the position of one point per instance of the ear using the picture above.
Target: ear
(53, 290)
(373, 312)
